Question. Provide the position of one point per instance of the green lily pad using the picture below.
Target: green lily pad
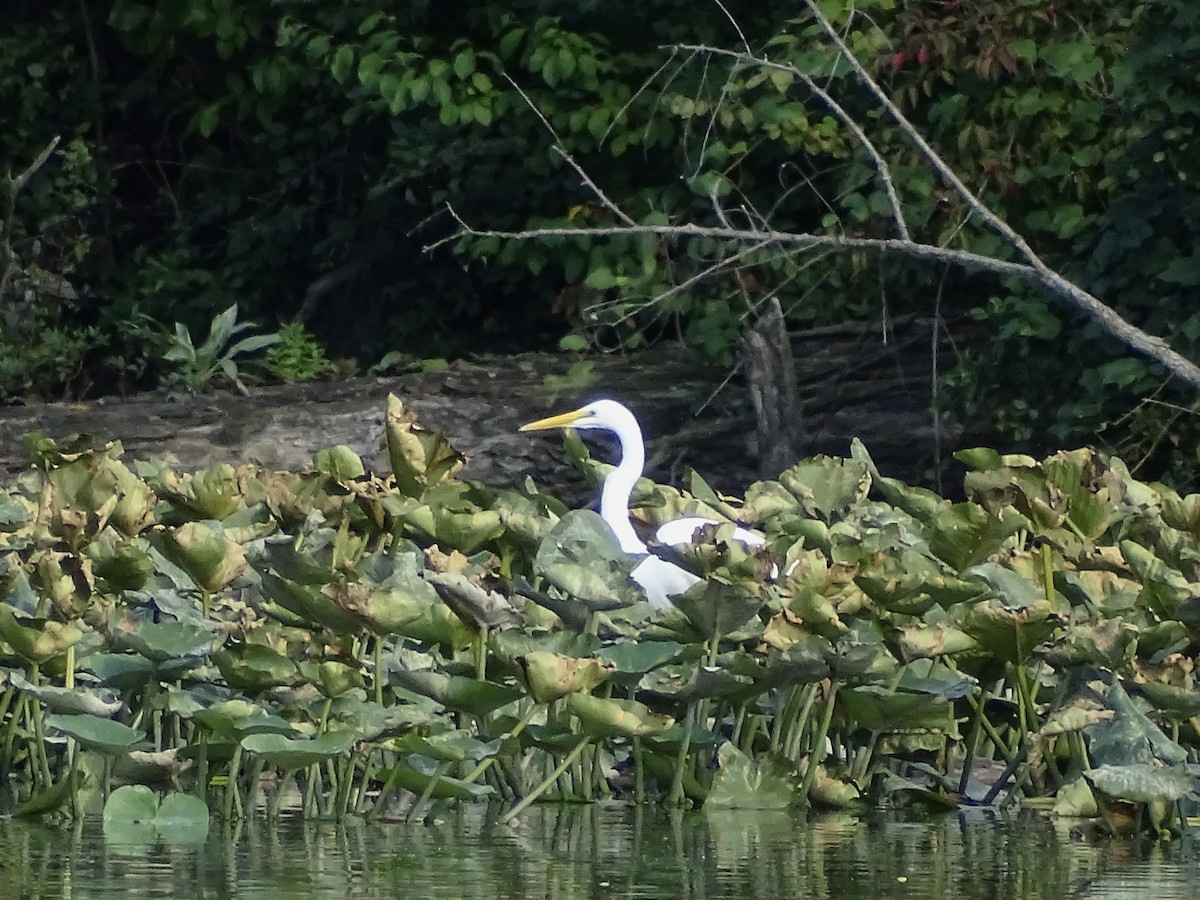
(447, 746)
(297, 753)
(602, 717)
(99, 734)
(50, 799)
(37, 640)
(1142, 783)
(163, 641)
(742, 783)
(89, 701)
(474, 604)
(827, 486)
(339, 463)
(457, 692)
(420, 458)
(550, 676)
(255, 667)
(133, 814)
(415, 775)
(202, 550)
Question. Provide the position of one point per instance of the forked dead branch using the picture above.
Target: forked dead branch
(1026, 265)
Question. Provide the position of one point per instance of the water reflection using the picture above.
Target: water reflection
(593, 852)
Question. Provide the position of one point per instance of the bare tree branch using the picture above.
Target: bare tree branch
(13, 188)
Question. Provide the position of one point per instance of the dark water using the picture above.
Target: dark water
(589, 852)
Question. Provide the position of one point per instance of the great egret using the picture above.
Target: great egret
(660, 579)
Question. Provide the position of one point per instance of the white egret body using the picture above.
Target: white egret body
(660, 579)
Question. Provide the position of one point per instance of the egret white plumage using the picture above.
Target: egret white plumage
(660, 579)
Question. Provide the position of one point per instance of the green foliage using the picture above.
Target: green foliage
(196, 367)
(286, 153)
(297, 356)
(330, 635)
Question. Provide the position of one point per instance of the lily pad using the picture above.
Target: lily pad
(297, 753)
(742, 783)
(99, 734)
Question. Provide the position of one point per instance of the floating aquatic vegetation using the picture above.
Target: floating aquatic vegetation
(341, 642)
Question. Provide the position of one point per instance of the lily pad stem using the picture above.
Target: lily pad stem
(547, 781)
(817, 751)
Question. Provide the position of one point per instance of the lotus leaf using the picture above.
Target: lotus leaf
(255, 667)
(602, 717)
(689, 682)
(918, 502)
(416, 775)
(889, 712)
(66, 580)
(473, 603)
(448, 746)
(164, 641)
(581, 556)
(312, 604)
(1008, 633)
(133, 814)
(458, 692)
(743, 783)
(717, 607)
(639, 658)
(297, 753)
(372, 721)
(90, 701)
(236, 718)
(550, 676)
(1106, 592)
(212, 493)
(965, 533)
(331, 678)
(420, 458)
(97, 733)
(1129, 737)
(339, 463)
(1173, 702)
(202, 550)
(125, 566)
(1142, 783)
(826, 486)
(931, 641)
(509, 646)
(37, 640)
(930, 677)
(50, 799)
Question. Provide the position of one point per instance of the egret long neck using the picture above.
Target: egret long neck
(618, 487)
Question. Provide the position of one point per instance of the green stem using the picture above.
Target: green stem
(548, 781)
(516, 730)
(817, 751)
(481, 640)
(422, 801)
(379, 669)
(675, 798)
(231, 784)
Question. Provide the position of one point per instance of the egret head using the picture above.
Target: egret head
(608, 415)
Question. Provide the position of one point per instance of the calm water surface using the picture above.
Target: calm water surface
(591, 852)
